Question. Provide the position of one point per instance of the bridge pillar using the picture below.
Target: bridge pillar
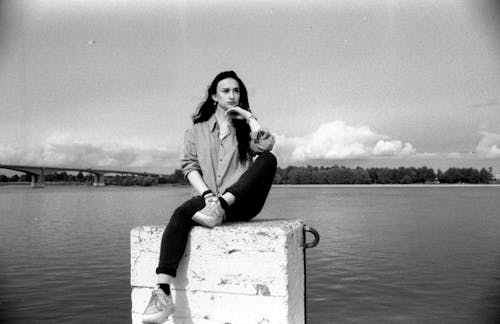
(37, 180)
(99, 179)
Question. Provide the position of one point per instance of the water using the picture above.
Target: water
(387, 254)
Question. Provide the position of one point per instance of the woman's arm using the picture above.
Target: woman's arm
(196, 181)
(253, 123)
(240, 113)
(260, 140)
(191, 166)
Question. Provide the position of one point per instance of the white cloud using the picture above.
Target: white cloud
(65, 151)
(338, 141)
(392, 148)
(489, 145)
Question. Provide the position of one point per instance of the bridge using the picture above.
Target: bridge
(38, 173)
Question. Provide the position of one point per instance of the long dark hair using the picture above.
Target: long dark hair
(207, 109)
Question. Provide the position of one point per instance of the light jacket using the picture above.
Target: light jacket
(218, 159)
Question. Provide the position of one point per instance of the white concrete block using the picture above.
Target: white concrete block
(250, 272)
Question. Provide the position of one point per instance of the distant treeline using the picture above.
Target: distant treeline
(298, 175)
(118, 180)
(401, 175)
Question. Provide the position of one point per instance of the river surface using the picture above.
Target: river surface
(388, 254)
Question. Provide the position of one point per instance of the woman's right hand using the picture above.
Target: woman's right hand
(238, 113)
(210, 198)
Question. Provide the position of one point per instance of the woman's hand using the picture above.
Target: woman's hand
(209, 198)
(238, 113)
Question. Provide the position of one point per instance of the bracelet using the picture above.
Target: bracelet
(206, 192)
(251, 116)
(211, 198)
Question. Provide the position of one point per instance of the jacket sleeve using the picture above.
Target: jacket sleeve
(189, 161)
(261, 141)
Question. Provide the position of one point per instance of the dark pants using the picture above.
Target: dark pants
(250, 190)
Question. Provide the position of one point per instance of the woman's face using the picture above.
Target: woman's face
(227, 94)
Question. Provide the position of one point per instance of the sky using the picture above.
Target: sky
(113, 84)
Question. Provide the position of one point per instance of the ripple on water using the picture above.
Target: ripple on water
(386, 254)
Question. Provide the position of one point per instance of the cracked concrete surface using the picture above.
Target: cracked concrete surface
(235, 273)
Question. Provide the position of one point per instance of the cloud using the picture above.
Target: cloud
(392, 148)
(338, 141)
(489, 145)
(65, 151)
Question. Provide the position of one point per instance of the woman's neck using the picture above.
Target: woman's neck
(220, 115)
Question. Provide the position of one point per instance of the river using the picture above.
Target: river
(417, 254)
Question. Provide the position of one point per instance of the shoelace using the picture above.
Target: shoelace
(218, 210)
(158, 301)
(214, 208)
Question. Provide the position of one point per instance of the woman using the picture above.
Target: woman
(218, 162)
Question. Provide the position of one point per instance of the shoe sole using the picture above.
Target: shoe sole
(156, 319)
(206, 220)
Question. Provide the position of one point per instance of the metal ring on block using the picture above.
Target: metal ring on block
(314, 233)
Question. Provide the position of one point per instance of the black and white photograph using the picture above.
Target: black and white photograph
(249, 161)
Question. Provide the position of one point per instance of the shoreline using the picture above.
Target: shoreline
(393, 185)
(80, 184)
(375, 185)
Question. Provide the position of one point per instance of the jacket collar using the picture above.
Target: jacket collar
(214, 126)
(212, 123)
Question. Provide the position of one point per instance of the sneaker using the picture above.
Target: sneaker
(159, 308)
(211, 215)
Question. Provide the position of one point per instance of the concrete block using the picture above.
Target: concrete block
(248, 272)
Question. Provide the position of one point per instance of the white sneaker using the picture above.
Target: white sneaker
(211, 215)
(159, 308)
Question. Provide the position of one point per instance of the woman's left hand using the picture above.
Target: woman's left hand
(238, 113)
(210, 199)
